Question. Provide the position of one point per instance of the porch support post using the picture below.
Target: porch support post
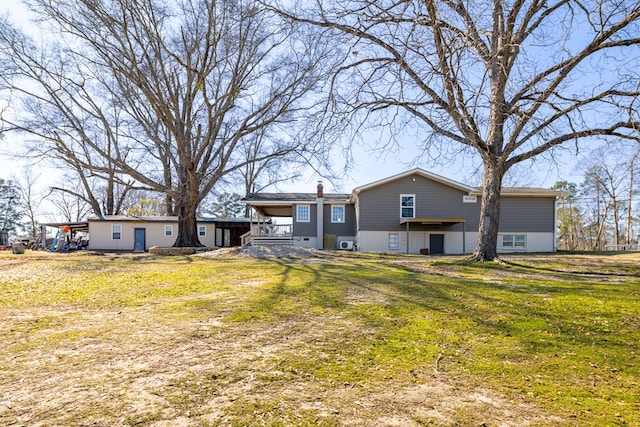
(407, 236)
(464, 234)
(320, 216)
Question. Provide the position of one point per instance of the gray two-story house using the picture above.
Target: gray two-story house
(412, 212)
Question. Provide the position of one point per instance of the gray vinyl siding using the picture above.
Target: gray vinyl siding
(380, 206)
(305, 228)
(527, 214)
(346, 228)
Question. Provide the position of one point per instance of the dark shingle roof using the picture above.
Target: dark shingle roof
(294, 197)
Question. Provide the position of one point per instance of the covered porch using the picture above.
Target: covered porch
(434, 224)
(264, 230)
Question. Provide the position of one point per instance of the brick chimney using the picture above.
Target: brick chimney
(320, 194)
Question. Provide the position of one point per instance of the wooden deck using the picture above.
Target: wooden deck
(268, 235)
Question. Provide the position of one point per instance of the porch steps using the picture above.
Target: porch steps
(251, 240)
(271, 241)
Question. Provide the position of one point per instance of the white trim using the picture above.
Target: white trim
(308, 213)
(202, 227)
(168, 230)
(514, 241)
(113, 231)
(339, 221)
(412, 207)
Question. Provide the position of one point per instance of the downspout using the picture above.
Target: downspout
(320, 216)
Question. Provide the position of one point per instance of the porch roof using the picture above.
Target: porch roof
(73, 226)
(281, 204)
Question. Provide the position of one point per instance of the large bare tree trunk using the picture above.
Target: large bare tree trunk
(187, 202)
(486, 247)
(187, 228)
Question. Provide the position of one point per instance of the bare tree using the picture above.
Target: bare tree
(509, 80)
(71, 205)
(631, 192)
(609, 186)
(29, 200)
(175, 89)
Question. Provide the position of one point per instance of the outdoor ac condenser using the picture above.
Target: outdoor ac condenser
(346, 245)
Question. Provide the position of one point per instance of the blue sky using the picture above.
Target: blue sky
(368, 165)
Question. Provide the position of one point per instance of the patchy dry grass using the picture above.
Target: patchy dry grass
(335, 339)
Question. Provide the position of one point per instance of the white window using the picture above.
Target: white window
(168, 230)
(407, 206)
(202, 230)
(514, 241)
(303, 213)
(337, 213)
(394, 242)
(116, 232)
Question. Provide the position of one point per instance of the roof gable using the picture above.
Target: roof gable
(417, 171)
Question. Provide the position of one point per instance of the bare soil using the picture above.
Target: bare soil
(128, 367)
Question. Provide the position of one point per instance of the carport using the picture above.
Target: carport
(435, 222)
(62, 228)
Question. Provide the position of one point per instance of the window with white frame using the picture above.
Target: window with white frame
(116, 232)
(168, 230)
(337, 213)
(202, 230)
(303, 213)
(514, 241)
(394, 240)
(407, 206)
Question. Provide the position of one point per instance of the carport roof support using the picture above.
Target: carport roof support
(435, 221)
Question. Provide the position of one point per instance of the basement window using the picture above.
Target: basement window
(514, 241)
(394, 240)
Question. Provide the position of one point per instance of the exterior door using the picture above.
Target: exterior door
(219, 241)
(139, 239)
(436, 244)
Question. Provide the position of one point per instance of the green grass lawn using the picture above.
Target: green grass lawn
(333, 339)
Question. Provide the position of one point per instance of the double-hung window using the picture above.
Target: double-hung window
(337, 213)
(407, 206)
(202, 230)
(303, 213)
(168, 230)
(116, 232)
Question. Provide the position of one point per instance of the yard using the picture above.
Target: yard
(325, 338)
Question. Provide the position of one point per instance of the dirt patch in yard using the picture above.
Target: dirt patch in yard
(72, 365)
(127, 369)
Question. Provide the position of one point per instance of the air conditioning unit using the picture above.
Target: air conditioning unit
(346, 245)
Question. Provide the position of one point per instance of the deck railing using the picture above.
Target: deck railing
(268, 234)
(272, 230)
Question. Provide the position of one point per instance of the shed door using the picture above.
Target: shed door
(139, 239)
(436, 244)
